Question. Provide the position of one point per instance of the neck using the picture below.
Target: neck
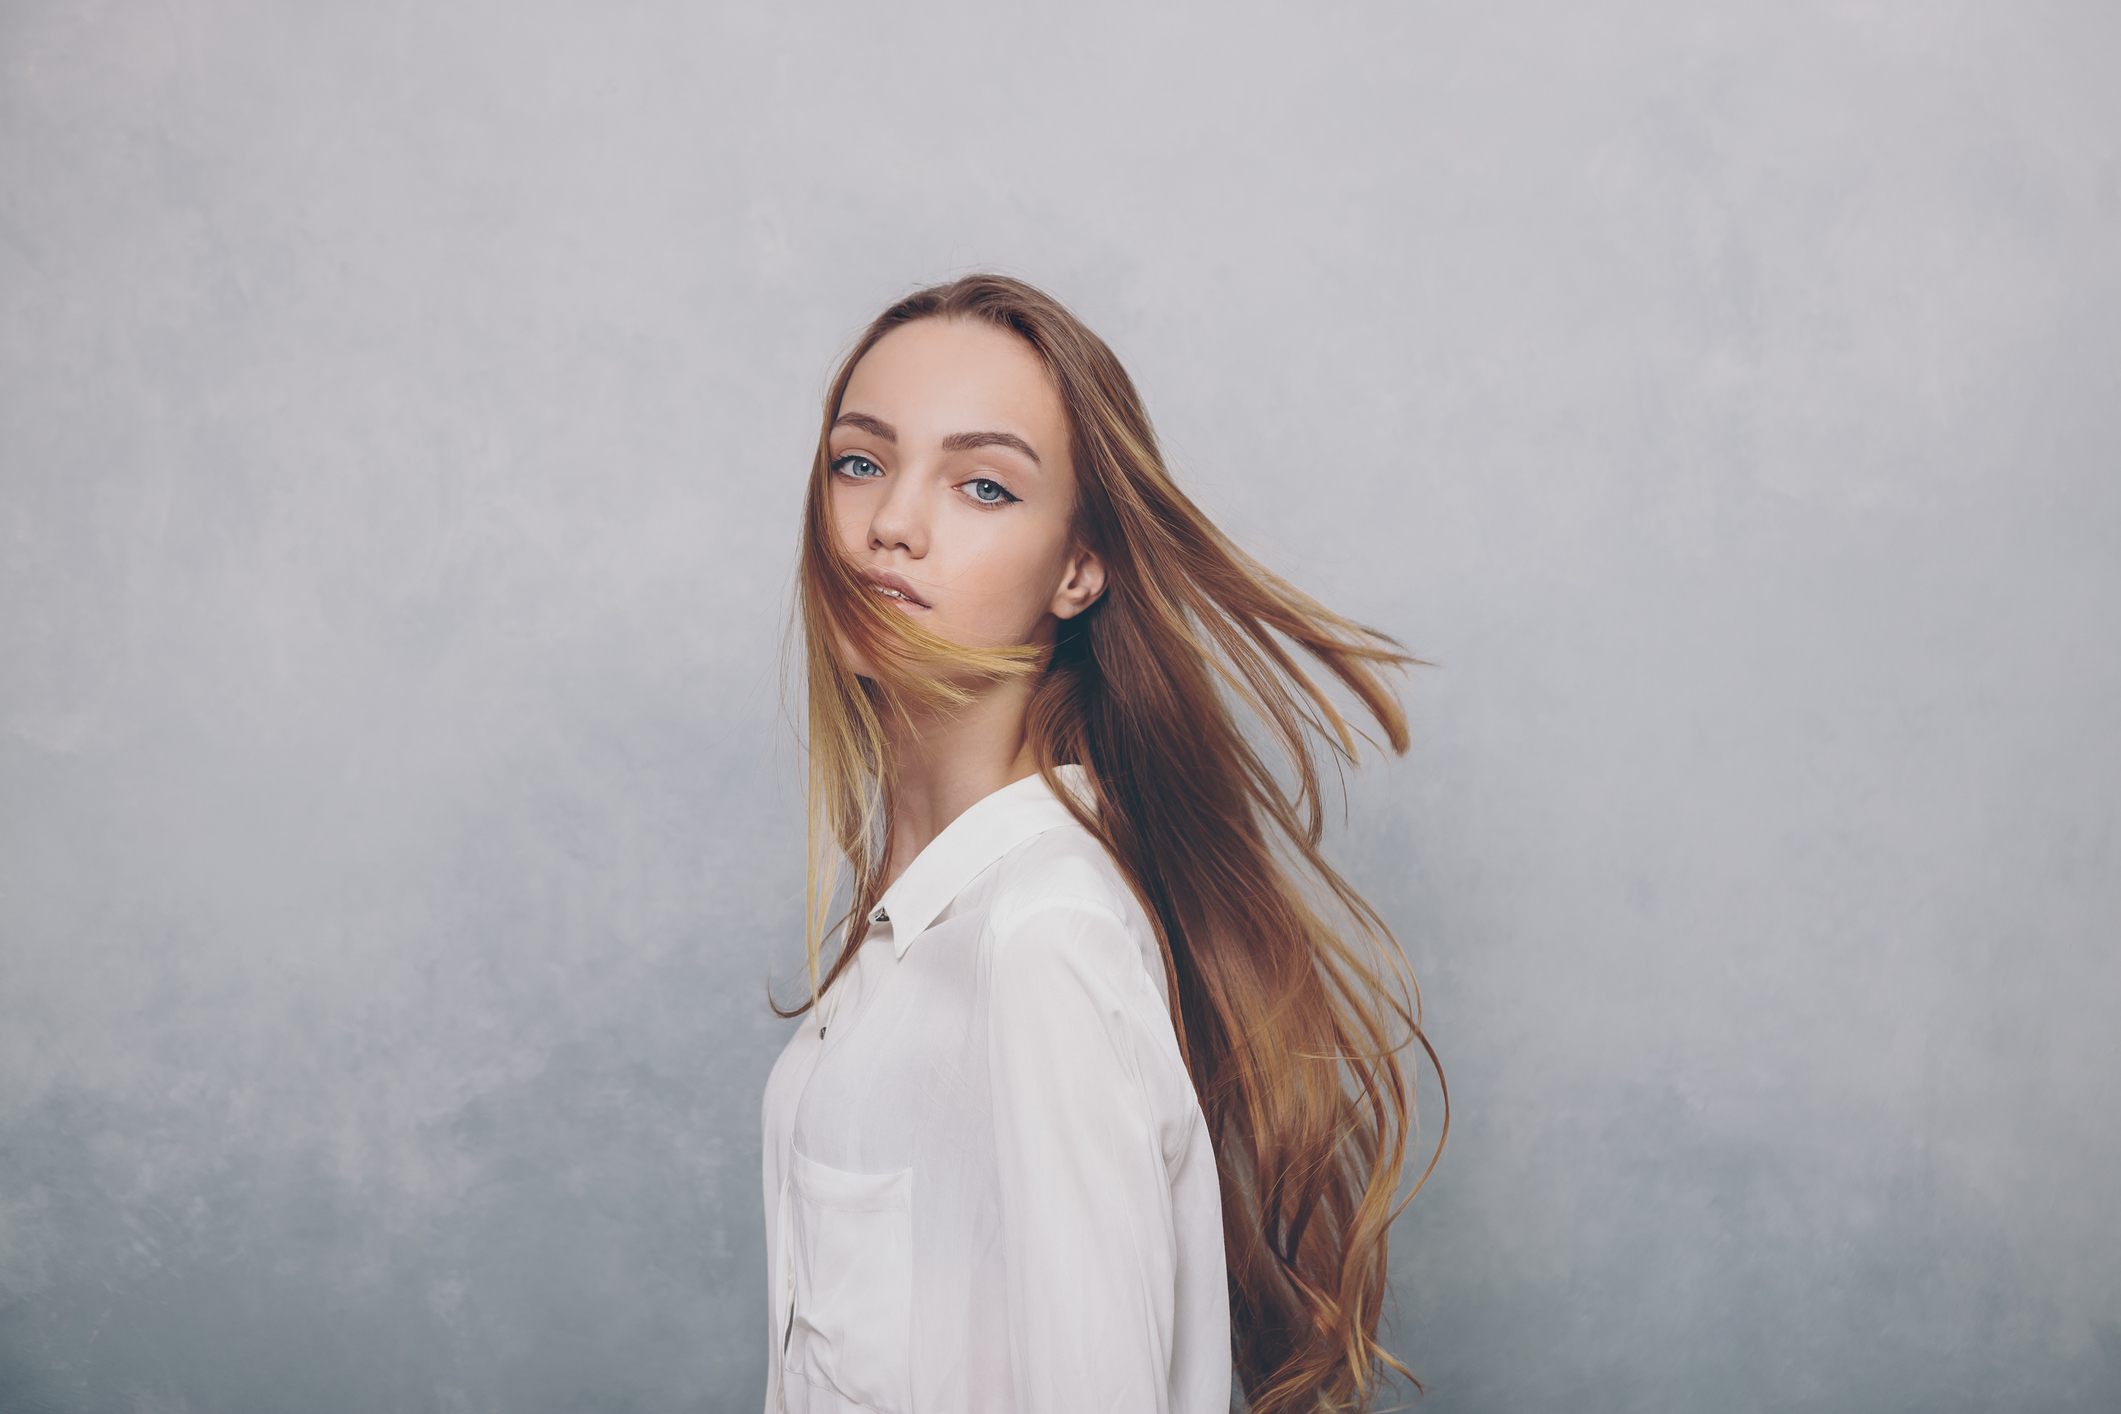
(949, 761)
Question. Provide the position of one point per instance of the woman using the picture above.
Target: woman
(1092, 1100)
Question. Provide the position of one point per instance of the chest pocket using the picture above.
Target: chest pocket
(850, 1324)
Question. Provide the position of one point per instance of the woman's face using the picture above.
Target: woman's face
(951, 486)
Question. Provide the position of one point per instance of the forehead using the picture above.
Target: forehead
(934, 377)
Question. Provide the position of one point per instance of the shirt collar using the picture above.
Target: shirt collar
(996, 824)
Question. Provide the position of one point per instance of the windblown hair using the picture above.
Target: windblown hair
(1294, 1005)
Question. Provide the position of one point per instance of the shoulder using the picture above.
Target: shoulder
(1064, 869)
(1060, 907)
(1071, 960)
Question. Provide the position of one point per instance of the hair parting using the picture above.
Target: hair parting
(1293, 1003)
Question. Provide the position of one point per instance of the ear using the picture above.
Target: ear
(1082, 581)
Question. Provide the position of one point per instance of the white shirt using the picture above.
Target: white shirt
(989, 1186)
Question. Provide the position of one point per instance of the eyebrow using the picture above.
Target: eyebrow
(955, 442)
(966, 441)
(875, 426)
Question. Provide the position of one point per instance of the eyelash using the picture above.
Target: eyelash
(839, 467)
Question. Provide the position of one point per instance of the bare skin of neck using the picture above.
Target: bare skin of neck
(949, 762)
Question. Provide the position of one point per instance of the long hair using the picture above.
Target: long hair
(1294, 1006)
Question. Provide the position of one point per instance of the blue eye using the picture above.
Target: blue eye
(857, 466)
(989, 493)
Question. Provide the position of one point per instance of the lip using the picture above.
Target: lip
(897, 583)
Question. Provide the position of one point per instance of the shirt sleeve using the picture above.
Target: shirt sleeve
(1091, 1106)
(776, 1252)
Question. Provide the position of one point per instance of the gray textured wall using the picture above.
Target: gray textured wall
(402, 417)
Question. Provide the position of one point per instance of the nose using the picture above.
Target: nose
(900, 517)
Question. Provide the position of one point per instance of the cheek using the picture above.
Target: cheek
(1004, 593)
(850, 530)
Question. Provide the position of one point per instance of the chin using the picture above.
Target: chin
(854, 661)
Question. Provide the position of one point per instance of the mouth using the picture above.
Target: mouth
(893, 586)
